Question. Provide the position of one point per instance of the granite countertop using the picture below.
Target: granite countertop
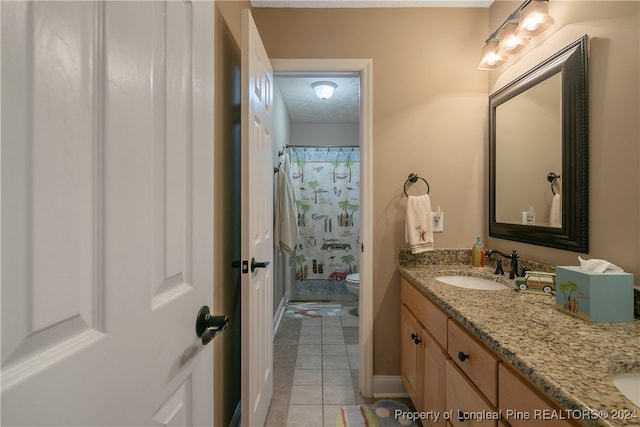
(570, 359)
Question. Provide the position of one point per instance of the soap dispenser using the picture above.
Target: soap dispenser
(476, 253)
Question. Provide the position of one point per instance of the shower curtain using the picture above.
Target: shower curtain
(326, 185)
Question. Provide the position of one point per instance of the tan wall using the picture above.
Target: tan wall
(226, 295)
(614, 130)
(430, 117)
(429, 114)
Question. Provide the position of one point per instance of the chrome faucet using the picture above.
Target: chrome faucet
(514, 262)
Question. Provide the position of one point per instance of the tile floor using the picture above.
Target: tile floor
(315, 368)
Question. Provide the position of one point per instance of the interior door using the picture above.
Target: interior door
(257, 226)
(107, 212)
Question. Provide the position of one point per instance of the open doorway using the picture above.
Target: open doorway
(322, 145)
(286, 134)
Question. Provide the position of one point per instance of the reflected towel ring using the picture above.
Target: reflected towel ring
(552, 178)
(413, 177)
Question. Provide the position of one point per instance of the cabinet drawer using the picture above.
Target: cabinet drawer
(466, 404)
(478, 362)
(432, 317)
(521, 404)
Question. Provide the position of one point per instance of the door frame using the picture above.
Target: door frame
(363, 67)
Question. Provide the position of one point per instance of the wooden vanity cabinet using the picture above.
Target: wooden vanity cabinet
(411, 355)
(422, 358)
(472, 380)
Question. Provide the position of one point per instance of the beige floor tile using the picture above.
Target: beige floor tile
(306, 394)
(336, 377)
(309, 362)
(311, 330)
(305, 416)
(332, 339)
(310, 339)
(277, 415)
(354, 362)
(334, 350)
(352, 349)
(338, 395)
(307, 377)
(335, 362)
(308, 350)
(324, 377)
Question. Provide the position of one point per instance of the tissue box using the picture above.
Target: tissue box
(594, 297)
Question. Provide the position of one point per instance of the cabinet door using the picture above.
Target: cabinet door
(469, 406)
(522, 405)
(411, 355)
(433, 391)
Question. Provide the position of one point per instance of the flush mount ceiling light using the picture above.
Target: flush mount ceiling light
(324, 90)
(529, 20)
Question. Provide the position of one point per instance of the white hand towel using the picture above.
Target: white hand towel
(599, 266)
(419, 226)
(555, 211)
(286, 222)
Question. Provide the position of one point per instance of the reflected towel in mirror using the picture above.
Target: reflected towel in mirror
(555, 211)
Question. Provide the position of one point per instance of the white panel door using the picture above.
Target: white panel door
(107, 212)
(257, 226)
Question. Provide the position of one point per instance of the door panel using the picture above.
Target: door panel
(257, 224)
(173, 151)
(107, 212)
(51, 220)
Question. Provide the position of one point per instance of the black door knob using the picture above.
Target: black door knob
(255, 264)
(208, 326)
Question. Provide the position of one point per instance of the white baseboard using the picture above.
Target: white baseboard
(388, 386)
(277, 317)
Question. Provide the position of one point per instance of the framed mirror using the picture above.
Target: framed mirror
(538, 153)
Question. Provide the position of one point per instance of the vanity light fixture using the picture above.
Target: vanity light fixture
(324, 89)
(509, 42)
(529, 20)
(534, 19)
(491, 59)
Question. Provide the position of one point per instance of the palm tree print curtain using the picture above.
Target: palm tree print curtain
(327, 192)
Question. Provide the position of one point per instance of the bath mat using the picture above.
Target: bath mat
(380, 414)
(309, 310)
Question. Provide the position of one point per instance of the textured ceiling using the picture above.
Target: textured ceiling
(304, 106)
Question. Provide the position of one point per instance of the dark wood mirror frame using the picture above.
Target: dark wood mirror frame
(573, 235)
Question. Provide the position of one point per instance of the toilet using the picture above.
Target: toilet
(353, 286)
(353, 283)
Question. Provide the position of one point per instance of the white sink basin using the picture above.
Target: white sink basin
(470, 282)
(629, 385)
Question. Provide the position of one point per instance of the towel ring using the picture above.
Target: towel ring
(552, 178)
(414, 178)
